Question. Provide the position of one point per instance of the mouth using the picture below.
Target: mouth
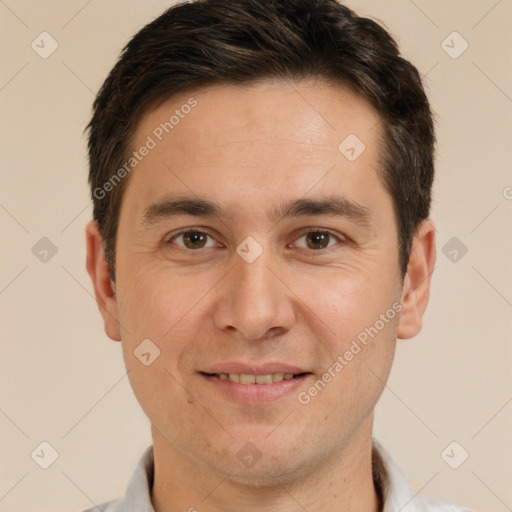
(254, 385)
(248, 379)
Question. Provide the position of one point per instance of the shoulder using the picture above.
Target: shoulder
(108, 506)
(397, 495)
(138, 492)
(432, 505)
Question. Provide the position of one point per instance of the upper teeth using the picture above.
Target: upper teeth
(244, 378)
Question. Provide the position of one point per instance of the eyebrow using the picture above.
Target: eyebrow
(332, 206)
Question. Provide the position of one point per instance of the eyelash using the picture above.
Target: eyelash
(339, 239)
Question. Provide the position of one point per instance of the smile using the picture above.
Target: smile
(245, 378)
(255, 388)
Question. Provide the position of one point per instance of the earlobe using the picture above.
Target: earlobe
(416, 285)
(104, 287)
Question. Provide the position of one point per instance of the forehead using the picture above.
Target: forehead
(271, 107)
(255, 140)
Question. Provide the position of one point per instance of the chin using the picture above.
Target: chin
(276, 465)
(267, 475)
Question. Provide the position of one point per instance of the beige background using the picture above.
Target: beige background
(63, 381)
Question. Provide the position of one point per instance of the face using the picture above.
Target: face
(252, 246)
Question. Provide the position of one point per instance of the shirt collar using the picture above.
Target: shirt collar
(396, 493)
(138, 492)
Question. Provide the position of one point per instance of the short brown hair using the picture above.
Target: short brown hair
(206, 42)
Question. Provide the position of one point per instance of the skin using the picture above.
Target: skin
(250, 148)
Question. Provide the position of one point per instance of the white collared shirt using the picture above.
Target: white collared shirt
(397, 495)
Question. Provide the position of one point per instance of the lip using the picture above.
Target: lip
(251, 369)
(252, 394)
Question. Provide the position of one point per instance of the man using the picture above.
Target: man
(261, 174)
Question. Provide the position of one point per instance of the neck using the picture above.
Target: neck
(344, 482)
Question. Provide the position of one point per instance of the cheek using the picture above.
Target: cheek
(158, 316)
(354, 375)
(166, 309)
(158, 304)
(360, 318)
(349, 300)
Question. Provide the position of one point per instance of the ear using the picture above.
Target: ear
(416, 285)
(104, 287)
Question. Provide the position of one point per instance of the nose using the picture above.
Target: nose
(254, 301)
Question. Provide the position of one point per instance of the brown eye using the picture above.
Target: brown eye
(194, 239)
(317, 240)
(191, 239)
